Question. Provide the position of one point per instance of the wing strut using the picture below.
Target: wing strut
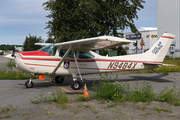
(65, 55)
(77, 66)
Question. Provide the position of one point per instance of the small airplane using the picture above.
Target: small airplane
(76, 58)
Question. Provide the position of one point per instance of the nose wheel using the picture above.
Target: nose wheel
(29, 83)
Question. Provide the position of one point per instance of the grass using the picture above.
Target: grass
(6, 111)
(58, 97)
(11, 64)
(8, 73)
(159, 110)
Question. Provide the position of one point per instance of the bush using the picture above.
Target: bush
(171, 96)
(142, 93)
(107, 90)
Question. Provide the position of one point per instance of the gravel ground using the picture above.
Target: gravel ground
(96, 110)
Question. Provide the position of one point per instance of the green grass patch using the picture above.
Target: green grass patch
(58, 97)
(159, 110)
(11, 64)
(121, 92)
(11, 74)
(143, 93)
(171, 96)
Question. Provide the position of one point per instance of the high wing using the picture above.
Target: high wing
(94, 43)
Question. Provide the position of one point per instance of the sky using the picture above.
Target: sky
(19, 18)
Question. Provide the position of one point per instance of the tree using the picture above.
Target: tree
(76, 19)
(29, 42)
(50, 40)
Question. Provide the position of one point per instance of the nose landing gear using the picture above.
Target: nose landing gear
(29, 83)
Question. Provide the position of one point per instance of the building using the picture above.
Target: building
(145, 40)
(168, 20)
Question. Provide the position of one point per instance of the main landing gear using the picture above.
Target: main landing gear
(29, 83)
(76, 85)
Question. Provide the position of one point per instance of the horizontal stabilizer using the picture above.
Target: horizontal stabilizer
(152, 63)
(169, 65)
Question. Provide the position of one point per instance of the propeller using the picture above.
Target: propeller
(13, 52)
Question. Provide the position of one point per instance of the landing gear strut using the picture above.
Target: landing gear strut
(29, 83)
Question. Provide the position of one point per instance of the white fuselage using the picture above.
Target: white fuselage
(99, 64)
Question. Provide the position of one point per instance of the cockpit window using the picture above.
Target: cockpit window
(70, 55)
(50, 49)
(85, 55)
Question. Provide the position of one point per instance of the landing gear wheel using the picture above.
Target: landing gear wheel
(59, 79)
(76, 85)
(28, 85)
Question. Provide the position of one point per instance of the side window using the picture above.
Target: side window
(85, 55)
(70, 55)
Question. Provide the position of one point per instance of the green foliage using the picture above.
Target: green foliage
(8, 47)
(171, 96)
(142, 93)
(120, 51)
(28, 44)
(76, 19)
(57, 97)
(159, 110)
(11, 64)
(9, 73)
(107, 90)
(103, 52)
(50, 40)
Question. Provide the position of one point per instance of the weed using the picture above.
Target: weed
(111, 105)
(11, 64)
(87, 106)
(82, 98)
(58, 97)
(6, 111)
(141, 106)
(171, 96)
(122, 112)
(12, 74)
(80, 104)
(161, 109)
(142, 93)
(107, 90)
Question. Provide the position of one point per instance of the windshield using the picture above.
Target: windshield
(50, 49)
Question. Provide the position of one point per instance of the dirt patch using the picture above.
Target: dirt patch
(97, 110)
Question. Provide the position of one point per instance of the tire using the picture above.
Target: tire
(59, 79)
(76, 85)
(28, 85)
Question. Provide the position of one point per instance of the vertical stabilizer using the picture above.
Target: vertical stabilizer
(159, 50)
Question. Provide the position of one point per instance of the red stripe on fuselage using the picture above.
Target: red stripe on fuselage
(41, 59)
